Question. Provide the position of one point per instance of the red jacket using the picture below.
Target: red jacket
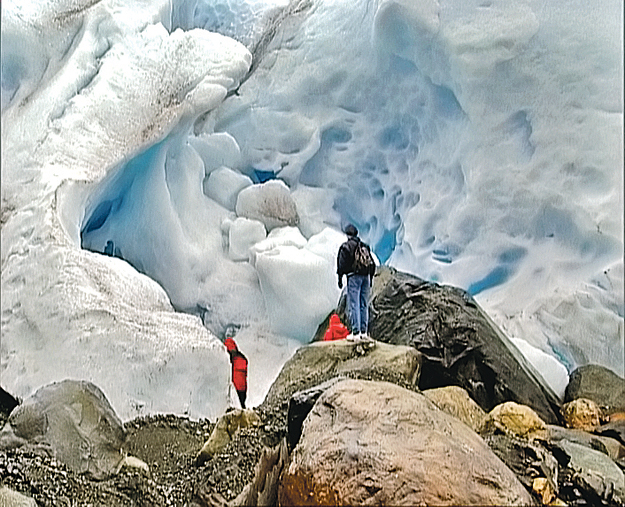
(336, 331)
(239, 370)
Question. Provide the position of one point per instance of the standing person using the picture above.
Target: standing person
(354, 260)
(239, 369)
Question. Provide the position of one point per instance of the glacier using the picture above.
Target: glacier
(174, 170)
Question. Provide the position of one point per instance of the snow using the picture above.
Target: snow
(477, 144)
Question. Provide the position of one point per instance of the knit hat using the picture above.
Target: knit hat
(230, 344)
(350, 230)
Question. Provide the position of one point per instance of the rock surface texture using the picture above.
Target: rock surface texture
(459, 343)
(456, 402)
(73, 422)
(598, 384)
(376, 443)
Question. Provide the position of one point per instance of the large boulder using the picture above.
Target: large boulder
(598, 384)
(72, 421)
(318, 362)
(459, 343)
(512, 418)
(369, 442)
(456, 402)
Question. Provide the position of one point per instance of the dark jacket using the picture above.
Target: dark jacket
(345, 259)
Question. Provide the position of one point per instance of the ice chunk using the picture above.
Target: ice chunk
(552, 370)
(223, 186)
(270, 202)
(243, 234)
(282, 236)
(299, 288)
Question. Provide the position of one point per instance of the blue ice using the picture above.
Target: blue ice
(115, 203)
(509, 260)
(313, 171)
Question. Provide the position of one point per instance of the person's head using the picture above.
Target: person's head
(230, 344)
(351, 230)
(335, 320)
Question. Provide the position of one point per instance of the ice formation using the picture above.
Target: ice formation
(218, 147)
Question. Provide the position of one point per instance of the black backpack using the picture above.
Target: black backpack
(362, 258)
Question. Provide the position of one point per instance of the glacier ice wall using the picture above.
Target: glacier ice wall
(473, 143)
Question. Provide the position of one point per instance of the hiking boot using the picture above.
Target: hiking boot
(353, 337)
(364, 337)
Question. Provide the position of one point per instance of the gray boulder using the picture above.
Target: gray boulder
(598, 384)
(318, 362)
(600, 480)
(71, 421)
(459, 343)
(375, 443)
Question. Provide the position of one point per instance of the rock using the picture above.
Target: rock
(544, 490)
(320, 361)
(515, 419)
(459, 343)
(270, 203)
(369, 442)
(598, 477)
(598, 384)
(133, 463)
(74, 422)
(7, 404)
(10, 498)
(615, 429)
(225, 429)
(608, 446)
(581, 414)
(456, 402)
(527, 459)
(263, 490)
(300, 404)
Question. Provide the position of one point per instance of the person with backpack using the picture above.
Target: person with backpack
(239, 369)
(356, 263)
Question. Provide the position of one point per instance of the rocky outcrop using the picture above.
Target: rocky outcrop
(370, 442)
(456, 402)
(459, 343)
(321, 361)
(598, 384)
(600, 480)
(72, 421)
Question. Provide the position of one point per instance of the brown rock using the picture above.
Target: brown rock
(376, 443)
(225, 429)
(582, 414)
(456, 402)
(519, 420)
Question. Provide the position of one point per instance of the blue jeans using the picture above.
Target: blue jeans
(358, 287)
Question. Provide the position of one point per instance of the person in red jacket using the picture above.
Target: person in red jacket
(336, 331)
(239, 369)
